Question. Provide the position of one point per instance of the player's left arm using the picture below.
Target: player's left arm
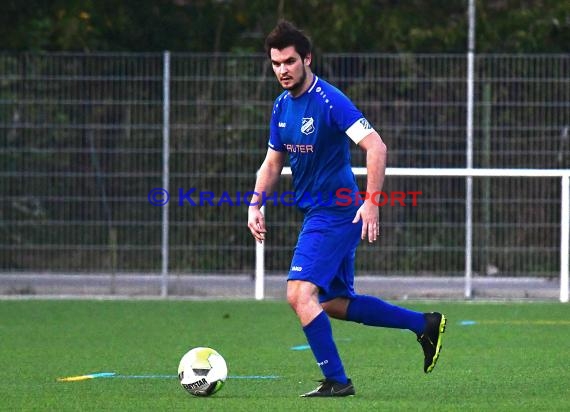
(376, 155)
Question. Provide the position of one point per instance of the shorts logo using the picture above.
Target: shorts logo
(296, 268)
(307, 125)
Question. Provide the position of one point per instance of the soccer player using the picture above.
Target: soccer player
(313, 123)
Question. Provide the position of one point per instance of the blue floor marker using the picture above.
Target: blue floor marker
(301, 347)
(467, 322)
(307, 347)
(115, 375)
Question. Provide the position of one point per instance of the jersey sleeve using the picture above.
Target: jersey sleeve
(349, 119)
(274, 136)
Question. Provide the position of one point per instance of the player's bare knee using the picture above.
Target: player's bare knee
(301, 294)
(291, 298)
(336, 308)
(293, 295)
(331, 311)
(296, 299)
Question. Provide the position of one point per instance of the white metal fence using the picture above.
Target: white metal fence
(84, 138)
(387, 200)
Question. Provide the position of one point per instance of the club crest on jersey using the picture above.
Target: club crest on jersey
(307, 125)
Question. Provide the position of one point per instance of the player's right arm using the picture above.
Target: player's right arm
(267, 177)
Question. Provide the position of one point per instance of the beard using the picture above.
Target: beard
(295, 87)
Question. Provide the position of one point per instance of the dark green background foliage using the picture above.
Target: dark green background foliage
(239, 25)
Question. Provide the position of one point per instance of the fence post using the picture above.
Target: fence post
(469, 154)
(564, 238)
(165, 169)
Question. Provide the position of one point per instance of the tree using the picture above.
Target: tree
(426, 26)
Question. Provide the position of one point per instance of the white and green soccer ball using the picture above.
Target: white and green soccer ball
(202, 371)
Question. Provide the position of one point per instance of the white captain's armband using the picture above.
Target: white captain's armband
(359, 130)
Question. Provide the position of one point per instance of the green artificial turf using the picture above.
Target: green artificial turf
(495, 357)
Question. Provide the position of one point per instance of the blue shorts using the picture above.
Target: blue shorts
(325, 255)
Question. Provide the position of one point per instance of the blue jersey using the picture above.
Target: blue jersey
(314, 129)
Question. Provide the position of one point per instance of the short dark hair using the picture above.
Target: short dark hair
(285, 34)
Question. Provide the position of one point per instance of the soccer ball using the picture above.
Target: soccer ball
(202, 371)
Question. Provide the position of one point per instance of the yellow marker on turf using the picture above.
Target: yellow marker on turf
(86, 377)
(74, 378)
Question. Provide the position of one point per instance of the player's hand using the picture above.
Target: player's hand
(370, 216)
(256, 223)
